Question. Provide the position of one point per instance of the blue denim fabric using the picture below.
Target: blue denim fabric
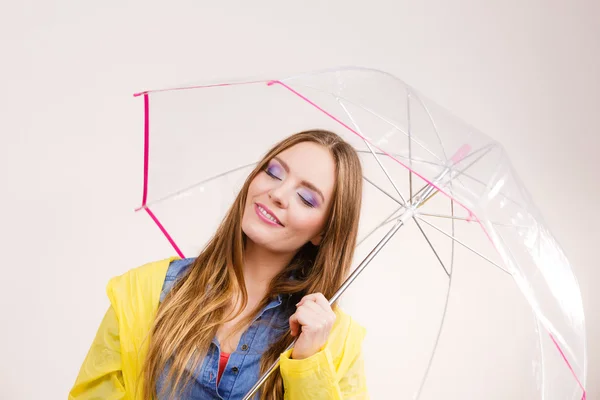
(243, 368)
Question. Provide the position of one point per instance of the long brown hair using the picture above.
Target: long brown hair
(188, 318)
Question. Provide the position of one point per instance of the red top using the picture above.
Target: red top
(222, 363)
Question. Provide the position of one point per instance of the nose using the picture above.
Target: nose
(279, 196)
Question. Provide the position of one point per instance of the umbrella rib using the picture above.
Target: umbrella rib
(392, 197)
(385, 172)
(444, 313)
(194, 185)
(410, 171)
(446, 216)
(381, 153)
(453, 233)
(443, 321)
(463, 244)
(432, 247)
(462, 173)
(470, 220)
(386, 221)
(384, 191)
(432, 124)
(372, 151)
(376, 115)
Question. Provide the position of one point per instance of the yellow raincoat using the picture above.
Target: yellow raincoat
(112, 367)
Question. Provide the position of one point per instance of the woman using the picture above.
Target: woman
(208, 327)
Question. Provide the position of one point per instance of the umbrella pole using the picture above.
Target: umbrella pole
(409, 213)
(399, 223)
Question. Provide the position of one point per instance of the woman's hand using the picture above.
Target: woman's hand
(313, 321)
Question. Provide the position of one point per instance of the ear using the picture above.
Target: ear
(317, 239)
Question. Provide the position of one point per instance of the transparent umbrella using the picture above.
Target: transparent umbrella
(463, 290)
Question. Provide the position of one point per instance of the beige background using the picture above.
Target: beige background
(525, 73)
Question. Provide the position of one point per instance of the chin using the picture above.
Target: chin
(257, 234)
(262, 239)
(267, 240)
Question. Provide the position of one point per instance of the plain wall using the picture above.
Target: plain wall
(525, 73)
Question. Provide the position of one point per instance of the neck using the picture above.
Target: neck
(261, 266)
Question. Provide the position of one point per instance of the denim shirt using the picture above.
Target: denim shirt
(243, 368)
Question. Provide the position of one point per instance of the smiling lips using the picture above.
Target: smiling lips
(266, 215)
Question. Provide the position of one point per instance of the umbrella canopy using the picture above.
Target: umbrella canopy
(467, 257)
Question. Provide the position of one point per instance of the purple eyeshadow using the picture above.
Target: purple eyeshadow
(275, 170)
(309, 197)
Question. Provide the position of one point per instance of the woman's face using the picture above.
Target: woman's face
(288, 202)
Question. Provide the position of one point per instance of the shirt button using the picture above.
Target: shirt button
(244, 347)
(235, 370)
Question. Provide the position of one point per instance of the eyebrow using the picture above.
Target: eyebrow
(304, 183)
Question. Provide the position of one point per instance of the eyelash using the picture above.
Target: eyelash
(271, 175)
(306, 202)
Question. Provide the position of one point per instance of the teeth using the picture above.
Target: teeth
(266, 214)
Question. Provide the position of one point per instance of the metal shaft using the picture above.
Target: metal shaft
(407, 214)
(335, 297)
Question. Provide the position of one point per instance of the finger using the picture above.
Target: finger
(308, 320)
(294, 325)
(304, 298)
(323, 303)
(313, 308)
(318, 298)
(305, 319)
(313, 318)
(313, 297)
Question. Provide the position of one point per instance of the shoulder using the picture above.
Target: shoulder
(175, 270)
(143, 283)
(178, 267)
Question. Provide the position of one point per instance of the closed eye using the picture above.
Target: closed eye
(308, 203)
(272, 175)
